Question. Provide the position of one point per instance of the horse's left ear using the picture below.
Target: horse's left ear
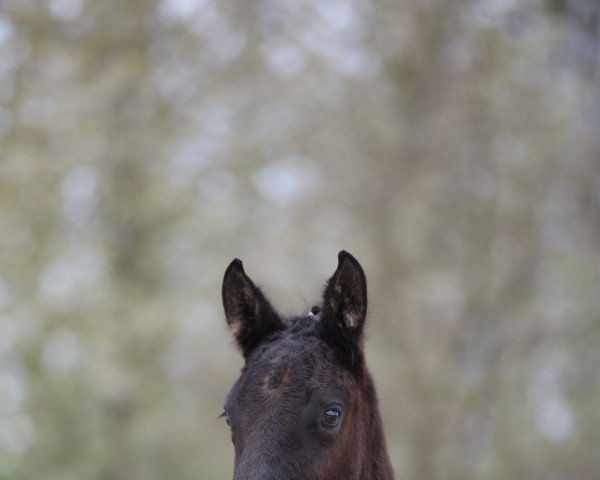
(345, 309)
(249, 314)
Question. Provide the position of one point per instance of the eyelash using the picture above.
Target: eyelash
(226, 417)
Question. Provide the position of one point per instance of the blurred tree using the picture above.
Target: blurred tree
(452, 146)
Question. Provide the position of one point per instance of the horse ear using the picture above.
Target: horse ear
(345, 308)
(249, 314)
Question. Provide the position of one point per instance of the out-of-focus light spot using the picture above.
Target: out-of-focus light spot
(12, 392)
(357, 63)
(551, 409)
(192, 156)
(224, 42)
(6, 30)
(217, 186)
(285, 60)
(218, 120)
(17, 433)
(61, 352)
(78, 192)
(340, 16)
(65, 277)
(488, 13)
(65, 9)
(555, 419)
(289, 180)
(181, 8)
(7, 339)
(174, 78)
(337, 34)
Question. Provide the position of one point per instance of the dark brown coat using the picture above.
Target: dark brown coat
(304, 406)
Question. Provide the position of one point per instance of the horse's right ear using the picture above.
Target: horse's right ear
(249, 314)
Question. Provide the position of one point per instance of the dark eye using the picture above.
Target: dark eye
(226, 417)
(331, 418)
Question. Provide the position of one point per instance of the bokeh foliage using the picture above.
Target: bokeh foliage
(453, 147)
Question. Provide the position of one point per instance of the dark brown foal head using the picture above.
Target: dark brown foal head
(304, 406)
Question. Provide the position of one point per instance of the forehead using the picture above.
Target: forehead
(293, 360)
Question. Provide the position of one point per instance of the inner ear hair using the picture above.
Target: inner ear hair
(346, 293)
(248, 312)
(344, 310)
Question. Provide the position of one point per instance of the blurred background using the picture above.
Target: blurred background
(452, 146)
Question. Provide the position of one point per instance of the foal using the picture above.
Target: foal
(304, 406)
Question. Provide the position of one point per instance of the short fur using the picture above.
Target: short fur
(305, 405)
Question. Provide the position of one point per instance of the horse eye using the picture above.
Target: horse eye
(331, 418)
(226, 417)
